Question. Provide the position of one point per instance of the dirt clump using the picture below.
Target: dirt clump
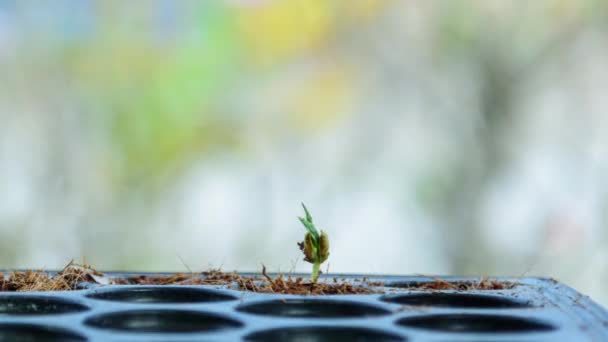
(211, 277)
(261, 284)
(440, 284)
(69, 278)
(298, 286)
(76, 276)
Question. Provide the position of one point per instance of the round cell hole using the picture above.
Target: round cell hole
(322, 334)
(29, 305)
(455, 300)
(470, 323)
(162, 321)
(35, 333)
(312, 309)
(161, 295)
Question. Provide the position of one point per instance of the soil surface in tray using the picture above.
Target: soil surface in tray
(75, 276)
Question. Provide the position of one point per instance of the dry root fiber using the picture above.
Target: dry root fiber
(265, 284)
(67, 279)
(212, 277)
(75, 276)
(298, 286)
(482, 284)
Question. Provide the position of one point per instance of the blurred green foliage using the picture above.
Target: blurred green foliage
(161, 94)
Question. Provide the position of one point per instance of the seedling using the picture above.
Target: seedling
(315, 245)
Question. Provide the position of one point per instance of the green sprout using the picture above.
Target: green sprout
(315, 245)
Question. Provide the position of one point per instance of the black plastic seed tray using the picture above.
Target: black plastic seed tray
(534, 310)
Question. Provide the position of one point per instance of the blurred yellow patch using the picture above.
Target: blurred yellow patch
(324, 98)
(278, 30)
(362, 9)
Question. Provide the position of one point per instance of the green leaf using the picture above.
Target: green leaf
(311, 229)
(308, 216)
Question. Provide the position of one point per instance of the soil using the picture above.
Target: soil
(69, 278)
(76, 276)
(482, 284)
(261, 284)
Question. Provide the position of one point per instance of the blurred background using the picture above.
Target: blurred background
(427, 137)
